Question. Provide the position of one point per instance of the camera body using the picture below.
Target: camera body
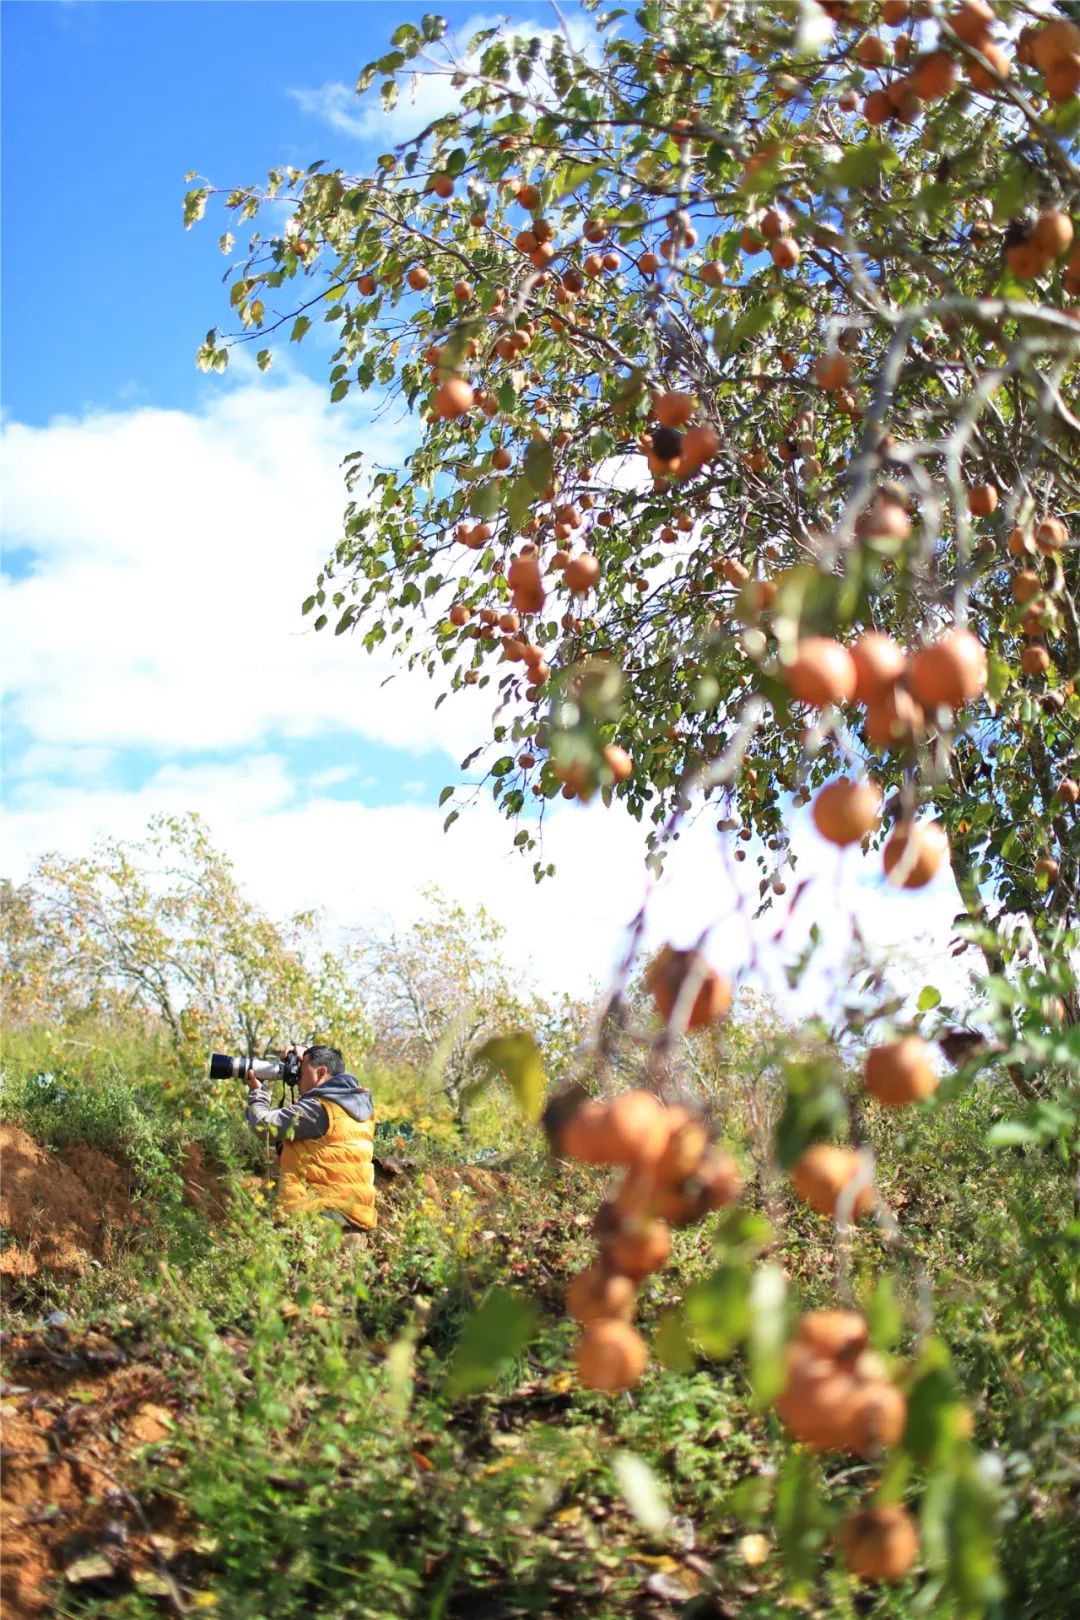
(265, 1070)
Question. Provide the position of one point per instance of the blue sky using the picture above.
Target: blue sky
(161, 527)
(106, 106)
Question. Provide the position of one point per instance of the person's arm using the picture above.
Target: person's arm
(300, 1122)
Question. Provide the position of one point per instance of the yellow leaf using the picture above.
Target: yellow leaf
(517, 1058)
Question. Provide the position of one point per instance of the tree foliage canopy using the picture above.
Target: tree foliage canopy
(743, 342)
(848, 244)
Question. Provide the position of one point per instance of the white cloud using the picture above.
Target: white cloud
(170, 554)
(365, 864)
(428, 93)
(158, 621)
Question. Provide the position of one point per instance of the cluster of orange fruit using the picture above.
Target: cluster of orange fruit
(832, 1178)
(1048, 536)
(1053, 50)
(838, 1397)
(673, 1176)
(898, 692)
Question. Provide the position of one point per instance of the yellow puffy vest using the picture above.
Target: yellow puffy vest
(332, 1171)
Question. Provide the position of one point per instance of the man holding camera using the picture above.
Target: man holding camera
(325, 1140)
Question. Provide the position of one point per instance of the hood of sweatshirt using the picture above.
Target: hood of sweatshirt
(347, 1092)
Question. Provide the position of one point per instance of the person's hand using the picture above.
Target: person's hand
(252, 1083)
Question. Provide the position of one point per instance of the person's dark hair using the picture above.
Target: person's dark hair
(326, 1057)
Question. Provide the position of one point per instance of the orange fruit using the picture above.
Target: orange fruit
(950, 671)
(785, 252)
(1054, 44)
(877, 108)
(971, 21)
(453, 398)
(885, 518)
(584, 1135)
(418, 278)
(879, 1544)
(366, 286)
(610, 1356)
(1062, 81)
(460, 614)
(934, 76)
(618, 762)
(822, 1172)
(845, 811)
(1068, 790)
(582, 572)
(673, 409)
(599, 1294)
(523, 573)
(879, 663)
(666, 975)
(877, 1418)
(687, 1143)
(832, 371)
(817, 1400)
(1025, 260)
(640, 1248)
(821, 673)
(836, 1335)
(982, 500)
(636, 1129)
(979, 77)
(899, 1072)
(701, 443)
(917, 848)
(1035, 660)
(872, 51)
(1051, 534)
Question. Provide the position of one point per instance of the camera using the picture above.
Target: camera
(223, 1067)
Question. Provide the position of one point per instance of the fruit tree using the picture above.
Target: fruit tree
(742, 343)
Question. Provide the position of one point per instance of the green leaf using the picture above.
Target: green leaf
(929, 997)
(884, 1314)
(768, 1295)
(538, 464)
(860, 166)
(264, 359)
(642, 1493)
(670, 1343)
(799, 1516)
(935, 1412)
(717, 1311)
(1011, 1133)
(300, 326)
(520, 499)
(493, 1335)
(517, 1059)
(447, 793)
(195, 205)
(814, 1110)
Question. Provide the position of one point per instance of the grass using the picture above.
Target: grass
(321, 1462)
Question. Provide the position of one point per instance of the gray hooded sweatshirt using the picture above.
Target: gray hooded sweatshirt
(307, 1118)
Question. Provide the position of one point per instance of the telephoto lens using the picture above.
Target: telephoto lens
(227, 1068)
(223, 1067)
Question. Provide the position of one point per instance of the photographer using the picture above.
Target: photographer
(325, 1140)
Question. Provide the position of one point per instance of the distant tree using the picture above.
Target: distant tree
(164, 927)
(437, 988)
